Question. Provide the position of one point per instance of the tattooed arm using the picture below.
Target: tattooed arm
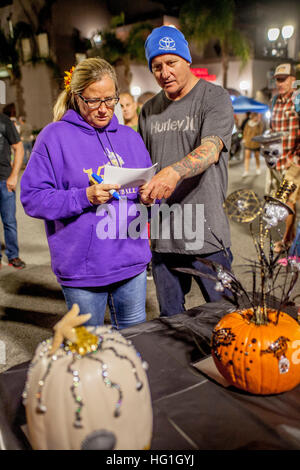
(196, 162)
(199, 159)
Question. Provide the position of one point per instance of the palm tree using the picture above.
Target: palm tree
(136, 40)
(214, 20)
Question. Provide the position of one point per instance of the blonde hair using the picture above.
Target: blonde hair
(85, 73)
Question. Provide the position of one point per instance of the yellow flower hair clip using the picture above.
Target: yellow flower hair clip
(68, 78)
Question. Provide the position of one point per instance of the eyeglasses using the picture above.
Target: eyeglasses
(95, 103)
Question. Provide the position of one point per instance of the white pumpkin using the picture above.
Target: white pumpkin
(94, 398)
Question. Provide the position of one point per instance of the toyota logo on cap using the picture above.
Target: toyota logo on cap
(167, 44)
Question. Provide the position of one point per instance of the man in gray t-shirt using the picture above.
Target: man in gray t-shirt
(187, 129)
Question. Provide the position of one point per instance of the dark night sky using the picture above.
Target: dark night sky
(4, 3)
(146, 9)
(137, 11)
(143, 10)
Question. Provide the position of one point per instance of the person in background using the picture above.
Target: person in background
(94, 266)
(295, 248)
(26, 137)
(244, 122)
(129, 110)
(253, 127)
(143, 98)
(187, 129)
(9, 170)
(285, 119)
(10, 111)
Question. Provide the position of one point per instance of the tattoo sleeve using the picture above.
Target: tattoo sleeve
(201, 158)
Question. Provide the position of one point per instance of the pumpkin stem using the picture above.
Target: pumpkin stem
(260, 316)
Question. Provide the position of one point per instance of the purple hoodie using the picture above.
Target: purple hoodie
(53, 188)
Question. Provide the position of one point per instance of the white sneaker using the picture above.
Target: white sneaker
(246, 173)
(258, 172)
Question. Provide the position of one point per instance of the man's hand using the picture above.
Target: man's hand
(162, 184)
(11, 182)
(99, 193)
(147, 200)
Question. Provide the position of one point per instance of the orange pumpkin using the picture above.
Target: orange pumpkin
(261, 359)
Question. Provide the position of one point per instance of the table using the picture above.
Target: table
(191, 411)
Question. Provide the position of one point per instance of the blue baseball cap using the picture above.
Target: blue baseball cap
(166, 40)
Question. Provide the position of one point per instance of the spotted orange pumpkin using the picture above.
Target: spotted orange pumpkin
(261, 359)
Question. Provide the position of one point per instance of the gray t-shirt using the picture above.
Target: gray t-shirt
(171, 130)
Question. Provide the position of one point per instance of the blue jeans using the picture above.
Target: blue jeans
(295, 248)
(126, 300)
(8, 216)
(172, 286)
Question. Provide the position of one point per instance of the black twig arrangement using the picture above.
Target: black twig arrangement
(270, 278)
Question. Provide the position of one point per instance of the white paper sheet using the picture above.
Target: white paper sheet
(128, 177)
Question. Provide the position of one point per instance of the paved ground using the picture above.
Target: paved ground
(31, 301)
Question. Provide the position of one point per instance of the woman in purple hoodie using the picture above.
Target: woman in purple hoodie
(93, 256)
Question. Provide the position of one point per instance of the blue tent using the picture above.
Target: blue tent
(242, 104)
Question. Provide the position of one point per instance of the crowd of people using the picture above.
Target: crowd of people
(186, 130)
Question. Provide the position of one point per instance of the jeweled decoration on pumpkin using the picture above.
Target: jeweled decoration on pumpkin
(85, 342)
(87, 345)
(222, 337)
(279, 348)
